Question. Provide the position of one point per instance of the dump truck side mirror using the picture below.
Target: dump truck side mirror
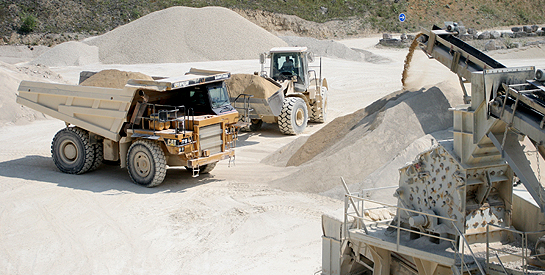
(262, 58)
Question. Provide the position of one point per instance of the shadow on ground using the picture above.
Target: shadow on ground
(106, 178)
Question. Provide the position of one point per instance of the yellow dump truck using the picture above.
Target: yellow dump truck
(147, 125)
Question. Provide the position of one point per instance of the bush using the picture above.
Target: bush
(29, 23)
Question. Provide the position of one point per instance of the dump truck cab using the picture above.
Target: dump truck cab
(207, 99)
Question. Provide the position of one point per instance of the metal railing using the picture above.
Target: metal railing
(246, 109)
(357, 203)
(524, 253)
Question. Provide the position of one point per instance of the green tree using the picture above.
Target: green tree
(29, 23)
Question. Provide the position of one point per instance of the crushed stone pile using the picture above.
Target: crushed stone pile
(359, 144)
(250, 84)
(182, 34)
(113, 78)
(70, 53)
(333, 49)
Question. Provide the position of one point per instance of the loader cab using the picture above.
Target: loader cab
(290, 63)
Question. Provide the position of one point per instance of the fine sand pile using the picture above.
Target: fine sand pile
(70, 53)
(182, 34)
(356, 145)
(113, 78)
(250, 84)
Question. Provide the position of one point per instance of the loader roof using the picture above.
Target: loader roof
(289, 49)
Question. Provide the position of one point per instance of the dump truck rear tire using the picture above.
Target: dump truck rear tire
(319, 111)
(98, 150)
(294, 116)
(72, 151)
(146, 163)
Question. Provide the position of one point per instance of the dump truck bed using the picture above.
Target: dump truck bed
(96, 109)
(100, 110)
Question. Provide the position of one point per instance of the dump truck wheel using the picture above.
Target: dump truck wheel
(98, 150)
(72, 151)
(319, 111)
(294, 116)
(146, 163)
(205, 169)
(256, 125)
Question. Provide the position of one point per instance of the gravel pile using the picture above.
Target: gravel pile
(327, 48)
(113, 78)
(70, 53)
(182, 34)
(356, 145)
(330, 48)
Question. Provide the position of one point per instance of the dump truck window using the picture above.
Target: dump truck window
(197, 98)
(219, 95)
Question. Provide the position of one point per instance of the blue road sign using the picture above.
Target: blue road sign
(402, 17)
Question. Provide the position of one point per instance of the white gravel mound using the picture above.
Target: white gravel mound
(182, 34)
(334, 49)
(327, 48)
(70, 53)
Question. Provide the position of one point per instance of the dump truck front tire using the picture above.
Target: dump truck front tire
(146, 163)
(319, 111)
(205, 169)
(72, 150)
(294, 116)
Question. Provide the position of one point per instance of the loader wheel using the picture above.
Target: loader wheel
(146, 163)
(72, 151)
(294, 116)
(540, 248)
(319, 111)
(256, 125)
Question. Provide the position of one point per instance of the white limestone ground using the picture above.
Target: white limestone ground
(250, 218)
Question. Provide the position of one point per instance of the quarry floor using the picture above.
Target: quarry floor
(228, 222)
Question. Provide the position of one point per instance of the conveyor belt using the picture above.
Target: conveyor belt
(470, 50)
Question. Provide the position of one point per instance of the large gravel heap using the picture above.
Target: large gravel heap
(359, 144)
(182, 34)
